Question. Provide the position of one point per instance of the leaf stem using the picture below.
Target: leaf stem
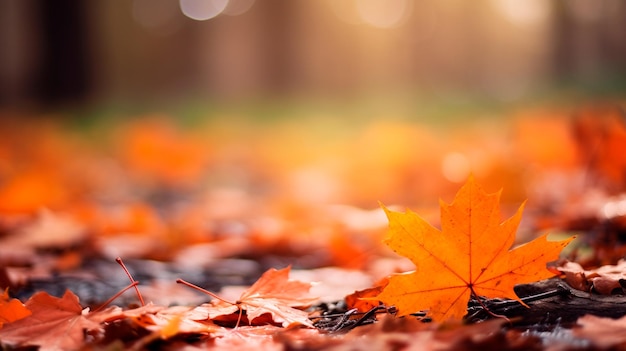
(491, 313)
(107, 302)
(213, 295)
(239, 318)
(130, 277)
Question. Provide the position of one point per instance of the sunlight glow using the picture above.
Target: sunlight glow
(202, 10)
(383, 14)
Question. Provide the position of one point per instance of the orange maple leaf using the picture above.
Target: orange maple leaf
(11, 310)
(469, 255)
(272, 293)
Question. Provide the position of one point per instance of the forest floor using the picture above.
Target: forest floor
(283, 219)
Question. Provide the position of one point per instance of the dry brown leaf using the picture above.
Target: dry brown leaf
(604, 280)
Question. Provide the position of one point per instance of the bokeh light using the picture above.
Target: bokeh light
(202, 10)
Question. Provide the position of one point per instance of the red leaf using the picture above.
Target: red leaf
(55, 323)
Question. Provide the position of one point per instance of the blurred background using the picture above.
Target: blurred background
(149, 51)
(333, 101)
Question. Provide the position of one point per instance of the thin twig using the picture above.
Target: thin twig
(366, 316)
(342, 320)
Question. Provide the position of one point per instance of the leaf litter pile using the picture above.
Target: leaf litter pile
(151, 235)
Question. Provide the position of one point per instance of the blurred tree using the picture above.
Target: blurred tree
(46, 58)
(65, 51)
(588, 38)
(66, 61)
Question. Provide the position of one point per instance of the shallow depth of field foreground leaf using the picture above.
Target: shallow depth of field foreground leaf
(273, 293)
(469, 254)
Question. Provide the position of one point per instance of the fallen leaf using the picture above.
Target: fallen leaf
(575, 275)
(360, 298)
(604, 280)
(333, 283)
(167, 322)
(55, 323)
(470, 255)
(11, 310)
(273, 293)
